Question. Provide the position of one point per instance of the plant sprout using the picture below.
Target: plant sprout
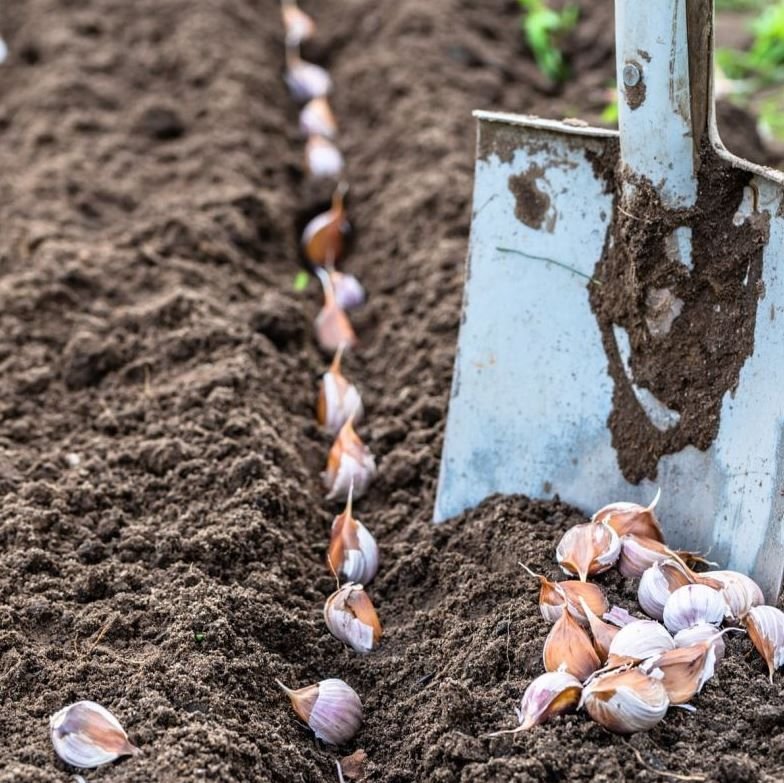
(544, 29)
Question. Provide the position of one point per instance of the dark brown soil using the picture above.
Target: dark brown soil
(150, 185)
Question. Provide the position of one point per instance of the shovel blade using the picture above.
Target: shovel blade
(531, 393)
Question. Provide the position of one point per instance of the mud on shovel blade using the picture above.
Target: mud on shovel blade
(623, 314)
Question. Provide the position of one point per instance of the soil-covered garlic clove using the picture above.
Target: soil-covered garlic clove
(323, 160)
(349, 464)
(702, 633)
(587, 549)
(657, 583)
(353, 552)
(317, 119)
(349, 293)
(306, 80)
(685, 669)
(297, 25)
(626, 701)
(765, 626)
(627, 518)
(569, 648)
(602, 633)
(741, 593)
(692, 605)
(554, 596)
(549, 695)
(638, 641)
(338, 400)
(351, 617)
(87, 735)
(323, 238)
(331, 708)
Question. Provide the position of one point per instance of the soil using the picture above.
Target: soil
(163, 528)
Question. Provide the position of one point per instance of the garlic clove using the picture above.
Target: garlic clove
(349, 293)
(86, 735)
(657, 584)
(588, 549)
(298, 26)
(351, 617)
(639, 553)
(549, 695)
(765, 626)
(323, 239)
(569, 648)
(627, 701)
(353, 551)
(554, 596)
(338, 400)
(333, 329)
(349, 464)
(331, 708)
(740, 592)
(638, 641)
(692, 605)
(317, 119)
(619, 617)
(322, 158)
(306, 80)
(627, 518)
(701, 633)
(603, 633)
(685, 669)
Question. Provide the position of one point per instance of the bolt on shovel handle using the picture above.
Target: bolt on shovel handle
(664, 59)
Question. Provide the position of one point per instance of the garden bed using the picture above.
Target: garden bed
(163, 528)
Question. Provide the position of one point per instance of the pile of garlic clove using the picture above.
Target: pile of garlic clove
(625, 672)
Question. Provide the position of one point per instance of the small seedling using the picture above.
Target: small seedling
(198, 636)
(764, 61)
(544, 29)
(301, 281)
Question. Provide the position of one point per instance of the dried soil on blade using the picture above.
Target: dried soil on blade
(150, 183)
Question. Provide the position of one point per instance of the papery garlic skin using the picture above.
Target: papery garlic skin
(702, 632)
(353, 552)
(741, 593)
(587, 549)
(350, 617)
(638, 641)
(331, 708)
(323, 238)
(602, 633)
(619, 616)
(338, 400)
(684, 670)
(657, 583)
(627, 701)
(569, 648)
(322, 158)
(638, 554)
(349, 464)
(554, 596)
(692, 605)
(632, 518)
(549, 695)
(317, 119)
(306, 80)
(87, 735)
(765, 626)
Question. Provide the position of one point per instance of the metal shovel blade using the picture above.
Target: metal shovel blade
(623, 315)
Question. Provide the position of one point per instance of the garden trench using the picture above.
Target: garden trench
(163, 528)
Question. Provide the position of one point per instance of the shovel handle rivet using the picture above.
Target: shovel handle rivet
(631, 74)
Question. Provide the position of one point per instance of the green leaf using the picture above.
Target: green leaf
(301, 281)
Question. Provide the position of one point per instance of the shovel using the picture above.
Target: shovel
(623, 314)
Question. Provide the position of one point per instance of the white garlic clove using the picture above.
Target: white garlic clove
(86, 735)
(322, 158)
(638, 641)
(588, 549)
(338, 400)
(353, 551)
(298, 26)
(685, 669)
(549, 695)
(331, 708)
(632, 518)
(702, 633)
(740, 592)
(692, 605)
(627, 701)
(349, 293)
(603, 633)
(554, 596)
(639, 554)
(317, 119)
(569, 648)
(657, 583)
(765, 626)
(306, 80)
(349, 464)
(332, 326)
(351, 617)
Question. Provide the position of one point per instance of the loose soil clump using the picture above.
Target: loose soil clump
(163, 529)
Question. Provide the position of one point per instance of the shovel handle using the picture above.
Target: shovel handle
(664, 58)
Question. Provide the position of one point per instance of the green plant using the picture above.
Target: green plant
(544, 29)
(764, 61)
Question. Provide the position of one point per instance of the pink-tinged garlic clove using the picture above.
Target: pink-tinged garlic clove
(587, 549)
(633, 518)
